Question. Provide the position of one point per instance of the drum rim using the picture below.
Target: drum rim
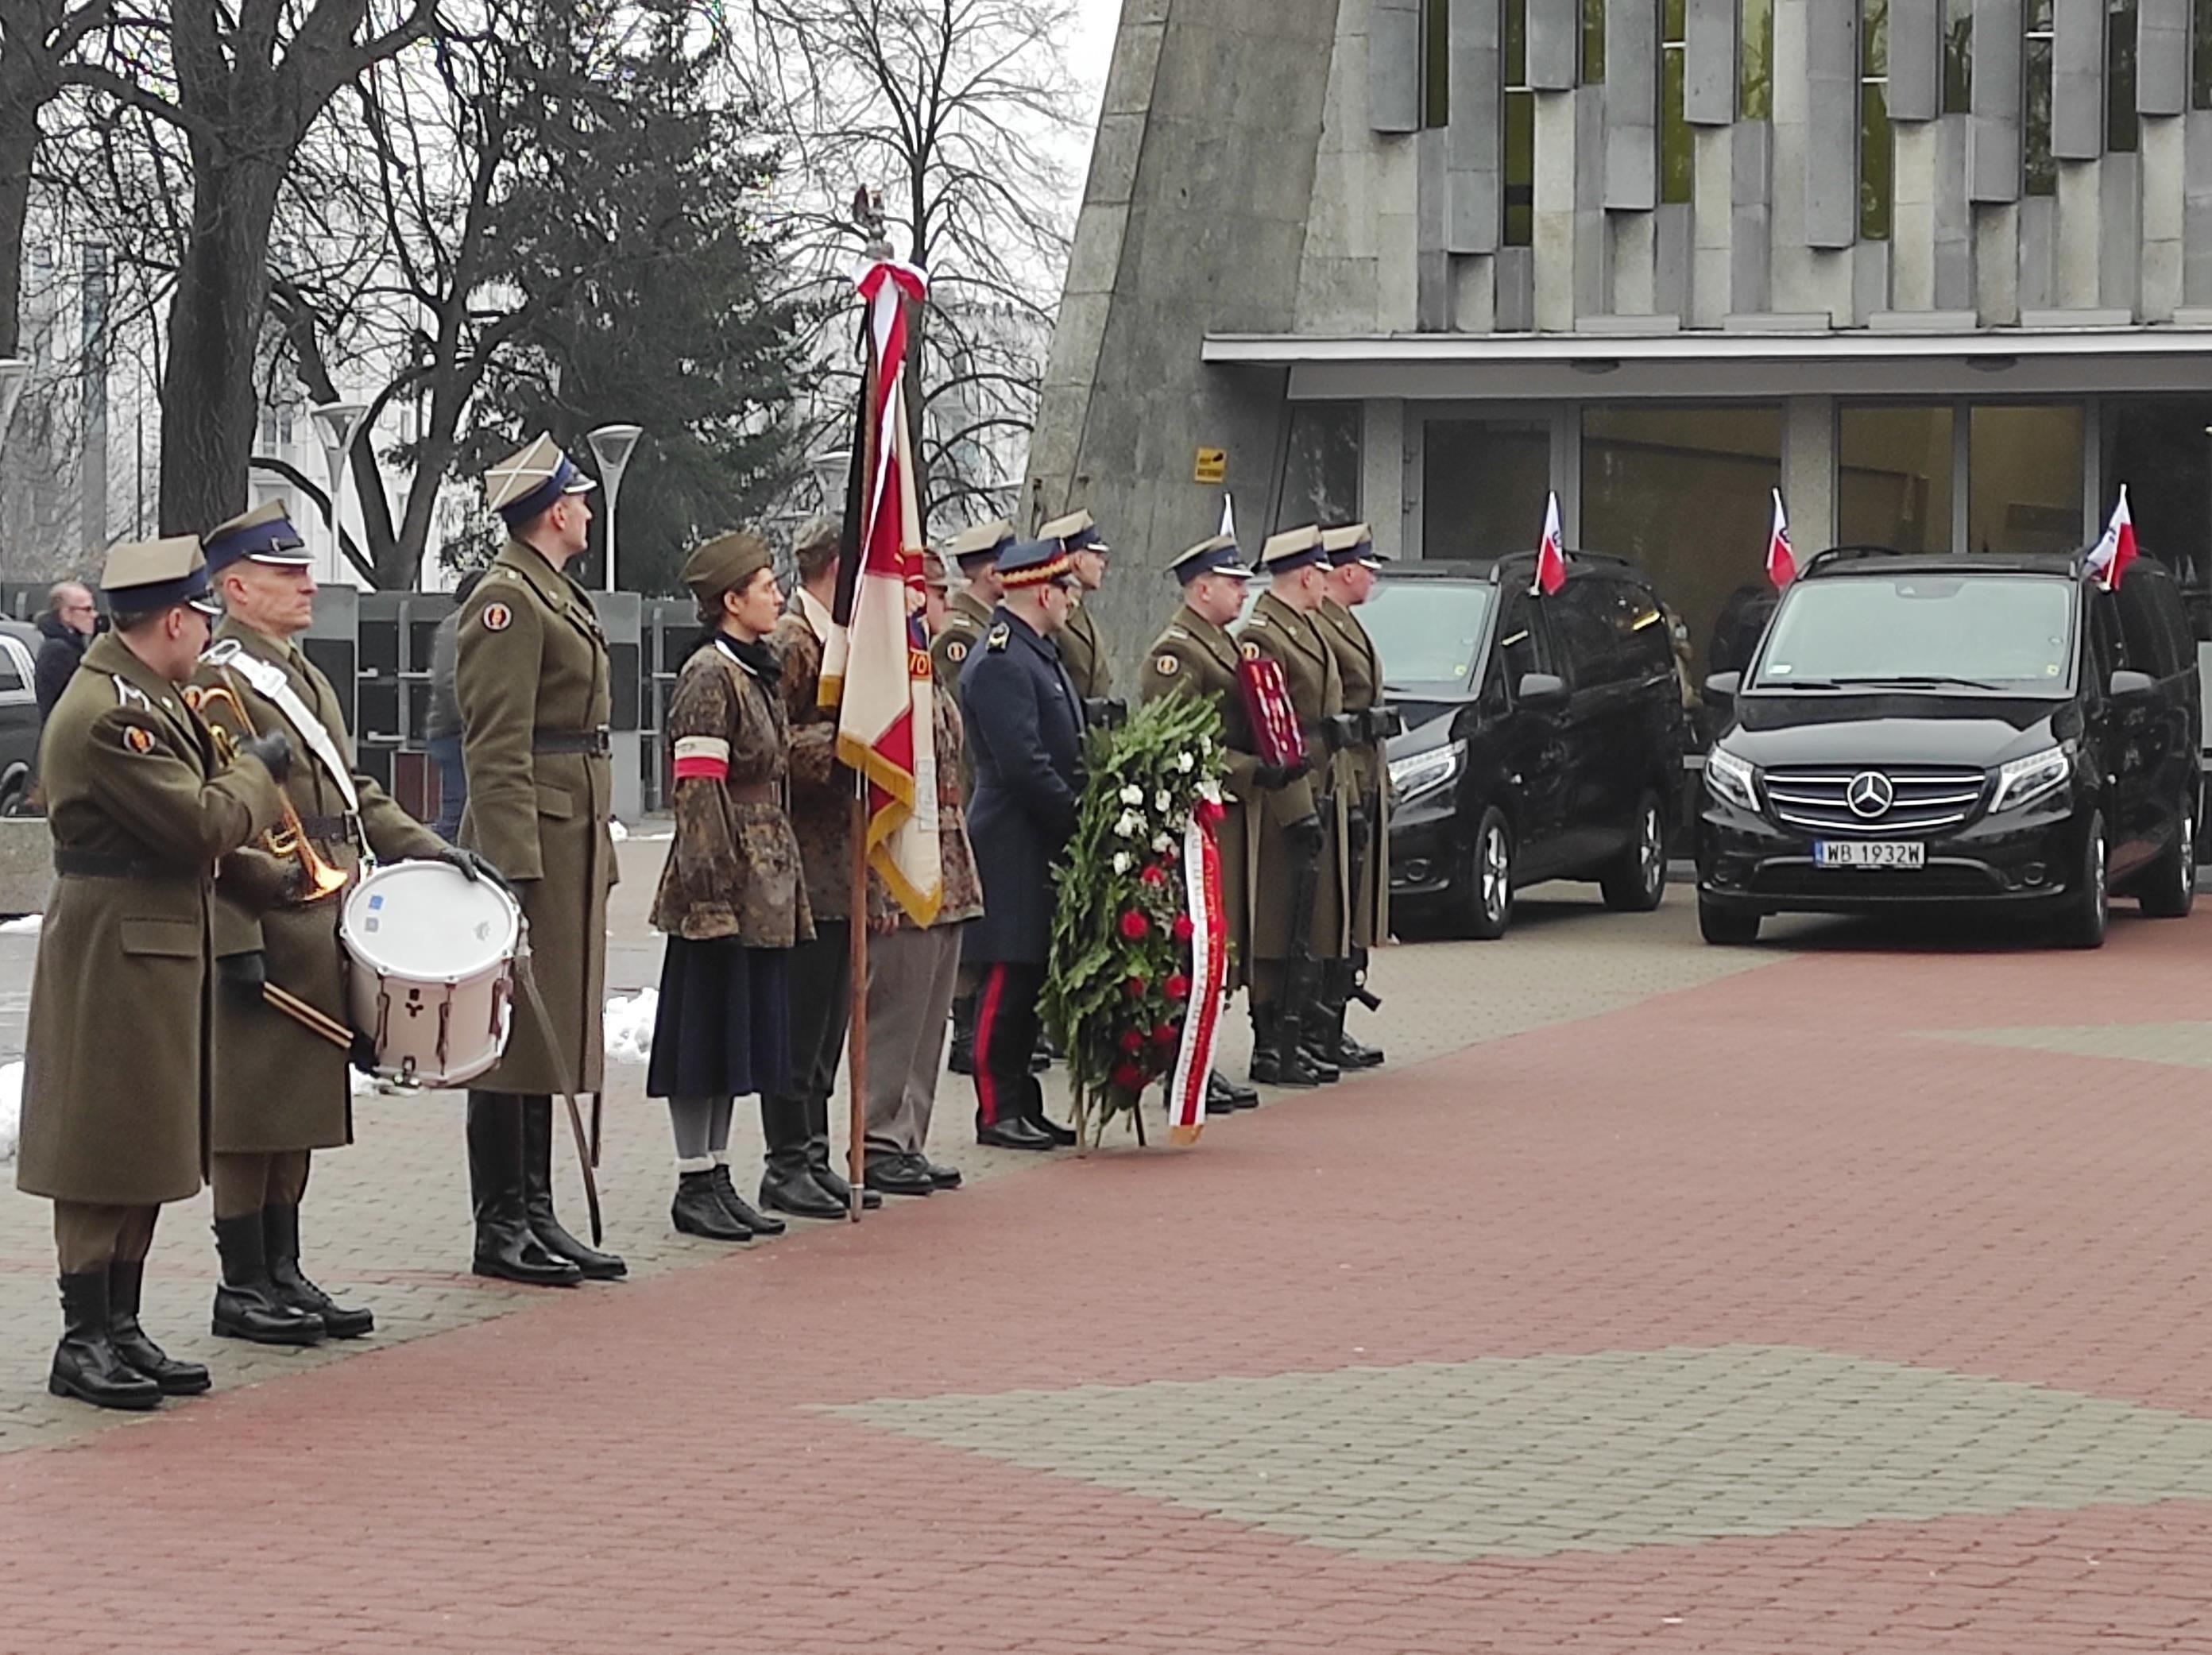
(519, 925)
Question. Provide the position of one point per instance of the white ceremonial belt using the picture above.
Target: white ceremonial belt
(270, 685)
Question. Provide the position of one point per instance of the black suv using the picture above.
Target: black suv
(1544, 737)
(1977, 729)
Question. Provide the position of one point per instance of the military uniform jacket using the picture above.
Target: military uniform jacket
(821, 788)
(967, 618)
(1084, 653)
(733, 871)
(1365, 770)
(1025, 731)
(273, 1085)
(114, 1079)
(1193, 657)
(532, 663)
(1280, 633)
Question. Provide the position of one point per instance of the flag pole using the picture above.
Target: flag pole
(856, 1029)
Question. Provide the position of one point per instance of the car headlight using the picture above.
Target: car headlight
(2027, 780)
(1730, 780)
(1424, 772)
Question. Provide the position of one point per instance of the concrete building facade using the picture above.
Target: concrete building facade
(1940, 271)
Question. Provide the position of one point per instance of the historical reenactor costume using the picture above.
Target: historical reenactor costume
(1025, 733)
(967, 618)
(1090, 667)
(1195, 657)
(913, 971)
(733, 897)
(1364, 780)
(115, 1103)
(279, 1090)
(798, 1177)
(1297, 885)
(532, 678)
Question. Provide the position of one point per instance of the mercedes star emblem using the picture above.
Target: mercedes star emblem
(1870, 794)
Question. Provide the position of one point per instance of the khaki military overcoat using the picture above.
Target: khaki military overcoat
(967, 617)
(1083, 653)
(1364, 769)
(1280, 633)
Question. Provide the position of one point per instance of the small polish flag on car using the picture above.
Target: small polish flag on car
(1550, 552)
(2109, 558)
(1780, 566)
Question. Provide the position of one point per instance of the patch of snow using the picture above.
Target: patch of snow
(23, 925)
(628, 1025)
(616, 830)
(11, 1107)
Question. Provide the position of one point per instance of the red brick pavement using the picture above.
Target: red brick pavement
(1774, 1159)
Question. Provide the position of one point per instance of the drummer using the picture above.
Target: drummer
(278, 1091)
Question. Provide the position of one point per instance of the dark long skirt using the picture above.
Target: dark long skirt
(723, 1027)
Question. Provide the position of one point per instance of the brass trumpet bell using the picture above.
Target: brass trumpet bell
(321, 880)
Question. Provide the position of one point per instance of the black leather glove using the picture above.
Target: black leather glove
(1305, 835)
(1356, 828)
(273, 750)
(363, 1055)
(244, 975)
(474, 866)
(1275, 777)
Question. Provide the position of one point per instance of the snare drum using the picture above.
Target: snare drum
(432, 977)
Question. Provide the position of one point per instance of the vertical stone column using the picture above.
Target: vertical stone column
(1384, 499)
(1808, 470)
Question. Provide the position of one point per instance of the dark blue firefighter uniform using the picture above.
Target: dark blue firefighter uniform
(1025, 735)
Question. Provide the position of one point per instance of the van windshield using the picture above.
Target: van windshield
(2004, 634)
(1425, 631)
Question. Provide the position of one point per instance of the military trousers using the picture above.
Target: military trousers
(821, 988)
(910, 982)
(247, 1183)
(1006, 1024)
(92, 1235)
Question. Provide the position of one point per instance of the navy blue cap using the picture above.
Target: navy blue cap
(1292, 549)
(1032, 562)
(1219, 556)
(1353, 544)
(265, 534)
(1076, 532)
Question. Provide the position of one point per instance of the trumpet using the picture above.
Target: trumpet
(290, 840)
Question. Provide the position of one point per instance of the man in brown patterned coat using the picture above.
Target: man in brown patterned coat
(798, 1178)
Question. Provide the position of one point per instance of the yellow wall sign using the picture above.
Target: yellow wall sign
(1212, 466)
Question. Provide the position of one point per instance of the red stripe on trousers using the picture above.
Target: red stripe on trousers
(986, 1018)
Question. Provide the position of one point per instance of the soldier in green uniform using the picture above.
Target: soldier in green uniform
(140, 811)
(532, 685)
(1195, 657)
(279, 1091)
(1364, 778)
(1081, 650)
(967, 617)
(1298, 884)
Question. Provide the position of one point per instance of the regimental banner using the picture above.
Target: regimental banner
(1269, 707)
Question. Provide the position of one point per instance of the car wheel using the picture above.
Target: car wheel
(2087, 910)
(16, 800)
(1726, 928)
(1637, 881)
(1485, 893)
(2169, 889)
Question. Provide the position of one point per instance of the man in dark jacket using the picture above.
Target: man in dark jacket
(67, 626)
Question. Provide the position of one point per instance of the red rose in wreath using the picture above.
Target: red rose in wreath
(1135, 986)
(1167, 1035)
(1182, 927)
(1154, 874)
(1132, 1041)
(1176, 987)
(1134, 925)
(1128, 1077)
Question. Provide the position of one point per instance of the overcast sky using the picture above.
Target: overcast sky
(1087, 56)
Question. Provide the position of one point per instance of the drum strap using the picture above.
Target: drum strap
(270, 685)
(528, 978)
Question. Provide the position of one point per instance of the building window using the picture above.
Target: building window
(1436, 62)
(1677, 168)
(1593, 42)
(1893, 477)
(2123, 126)
(1958, 56)
(2024, 478)
(1520, 117)
(2200, 61)
(1483, 483)
(2042, 172)
(1683, 491)
(1875, 140)
(1321, 465)
(1755, 59)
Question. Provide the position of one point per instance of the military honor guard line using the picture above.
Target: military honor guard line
(272, 916)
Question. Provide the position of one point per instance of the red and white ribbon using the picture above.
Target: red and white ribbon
(1201, 864)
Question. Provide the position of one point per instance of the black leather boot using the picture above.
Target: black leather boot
(1224, 1095)
(788, 1182)
(175, 1378)
(1339, 1046)
(505, 1247)
(726, 1191)
(960, 1060)
(698, 1211)
(246, 1303)
(1012, 1132)
(1277, 1061)
(86, 1364)
(537, 1198)
(280, 1235)
(832, 1182)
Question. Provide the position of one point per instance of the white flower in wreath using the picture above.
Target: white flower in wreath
(1210, 791)
(1185, 762)
(1123, 861)
(1162, 802)
(1163, 842)
(1132, 794)
(1130, 825)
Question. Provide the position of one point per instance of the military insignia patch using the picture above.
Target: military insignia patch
(955, 651)
(1167, 666)
(1250, 651)
(1000, 634)
(497, 617)
(139, 739)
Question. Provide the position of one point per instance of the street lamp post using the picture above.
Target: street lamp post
(829, 470)
(337, 423)
(612, 446)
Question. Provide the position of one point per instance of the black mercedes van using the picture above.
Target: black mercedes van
(1976, 730)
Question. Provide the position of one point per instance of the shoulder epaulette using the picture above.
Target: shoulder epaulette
(1000, 634)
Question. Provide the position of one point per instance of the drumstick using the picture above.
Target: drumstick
(309, 1017)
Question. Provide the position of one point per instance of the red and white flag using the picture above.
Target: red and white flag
(1780, 566)
(875, 664)
(2109, 558)
(1550, 552)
